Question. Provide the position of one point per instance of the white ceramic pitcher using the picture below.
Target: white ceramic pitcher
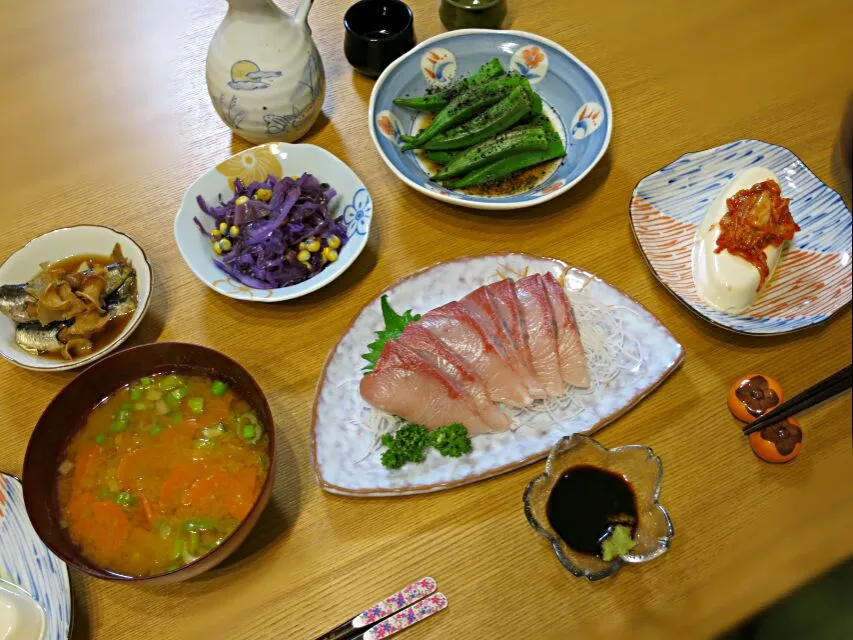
(264, 73)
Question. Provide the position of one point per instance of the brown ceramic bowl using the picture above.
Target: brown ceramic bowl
(67, 412)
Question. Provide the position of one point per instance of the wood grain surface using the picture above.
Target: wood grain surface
(106, 120)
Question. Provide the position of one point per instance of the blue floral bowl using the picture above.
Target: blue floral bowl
(574, 97)
(352, 203)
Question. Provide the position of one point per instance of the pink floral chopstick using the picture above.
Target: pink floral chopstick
(407, 617)
(392, 604)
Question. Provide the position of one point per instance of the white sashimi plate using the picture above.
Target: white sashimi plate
(629, 352)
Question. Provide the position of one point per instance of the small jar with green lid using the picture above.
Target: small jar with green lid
(472, 14)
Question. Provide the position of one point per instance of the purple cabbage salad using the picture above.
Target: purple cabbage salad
(274, 233)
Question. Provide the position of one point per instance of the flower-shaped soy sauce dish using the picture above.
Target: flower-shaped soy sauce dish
(594, 503)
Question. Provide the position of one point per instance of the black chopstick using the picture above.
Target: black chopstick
(823, 390)
(357, 625)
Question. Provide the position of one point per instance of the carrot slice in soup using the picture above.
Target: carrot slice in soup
(87, 459)
(101, 525)
(172, 493)
(243, 493)
(143, 466)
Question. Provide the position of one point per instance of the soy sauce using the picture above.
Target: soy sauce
(586, 503)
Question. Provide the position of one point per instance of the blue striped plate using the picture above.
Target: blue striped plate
(813, 279)
(28, 563)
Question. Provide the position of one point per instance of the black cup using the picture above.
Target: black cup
(377, 33)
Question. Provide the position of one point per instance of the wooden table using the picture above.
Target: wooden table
(106, 120)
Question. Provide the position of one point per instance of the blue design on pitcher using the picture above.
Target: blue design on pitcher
(357, 214)
(230, 113)
(247, 76)
(279, 124)
(587, 119)
(531, 62)
(310, 83)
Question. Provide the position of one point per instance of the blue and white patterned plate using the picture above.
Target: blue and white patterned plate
(575, 100)
(353, 202)
(28, 563)
(813, 278)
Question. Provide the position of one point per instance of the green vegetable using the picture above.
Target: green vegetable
(140, 406)
(451, 440)
(178, 549)
(174, 397)
(146, 381)
(124, 499)
(213, 431)
(176, 418)
(394, 326)
(155, 430)
(100, 438)
(118, 427)
(199, 525)
(440, 157)
(505, 144)
(461, 109)
(436, 101)
(122, 416)
(509, 165)
(196, 405)
(407, 445)
(126, 406)
(218, 388)
(247, 431)
(136, 393)
(193, 542)
(618, 543)
(169, 382)
(492, 121)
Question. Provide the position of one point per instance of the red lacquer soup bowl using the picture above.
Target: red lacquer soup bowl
(67, 413)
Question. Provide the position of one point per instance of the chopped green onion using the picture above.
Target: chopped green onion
(199, 525)
(196, 405)
(124, 499)
(153, 394)
(153, 431)
(118, 427)
(126, 406)
(175, 396)
(248, 431)
(203, 444)
(218, 388)
(140, 406)
(169, 382)
(176, 418)
(100, 438)
(136, 394)
(146, 381)
(194, 539)
(178, 550)
(122, 416)
(214, 430)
